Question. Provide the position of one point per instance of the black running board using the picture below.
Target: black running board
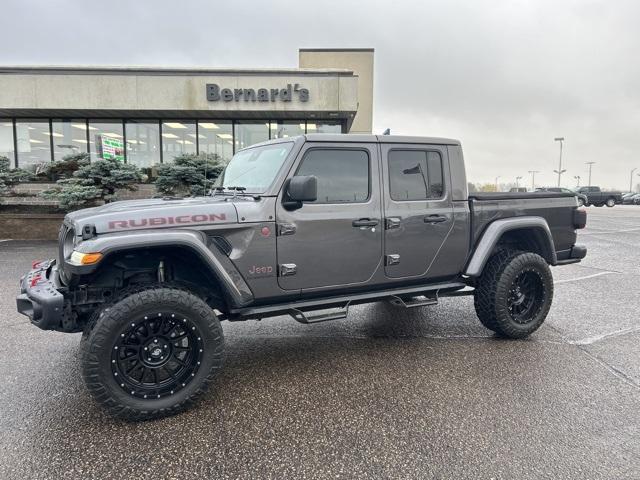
(340, 301)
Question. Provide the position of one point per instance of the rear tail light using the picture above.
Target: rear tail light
(579, 218)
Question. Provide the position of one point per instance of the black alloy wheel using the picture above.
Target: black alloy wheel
(157, 355)
(526, 296)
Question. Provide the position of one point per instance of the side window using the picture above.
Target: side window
(343, 175)
(415, 175)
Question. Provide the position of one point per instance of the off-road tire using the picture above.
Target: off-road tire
(104, 333)
(496, 284)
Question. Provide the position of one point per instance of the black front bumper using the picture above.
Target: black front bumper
(39, 298)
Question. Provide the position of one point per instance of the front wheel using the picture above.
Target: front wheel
(514, 293)
(152, 354)
(581, 202)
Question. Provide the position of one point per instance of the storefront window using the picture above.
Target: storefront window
(106, 139)
(250, 133)
(34, 144)
(69, 137)
(143, 144)
(324, 127)
(6, 141)
(283, 129)
(178, 137)
(216, 138)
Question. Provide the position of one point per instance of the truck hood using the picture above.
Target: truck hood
(157, 213)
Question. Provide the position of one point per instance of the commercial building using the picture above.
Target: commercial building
(147, 116)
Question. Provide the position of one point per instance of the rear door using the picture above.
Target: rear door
(417, 205)
(335, 241)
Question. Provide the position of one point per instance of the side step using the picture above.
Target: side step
(414, 302)
(301, 316)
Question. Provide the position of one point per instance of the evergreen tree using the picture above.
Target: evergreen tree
(10, 177)
(187, 174)
(93, 182)
(67, 166)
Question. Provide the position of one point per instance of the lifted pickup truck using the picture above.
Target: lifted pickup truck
(305, 226)
(600, 198)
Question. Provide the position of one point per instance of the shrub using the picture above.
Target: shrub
(10, 177)
(94, 182)
(187, 174)
(67, 166)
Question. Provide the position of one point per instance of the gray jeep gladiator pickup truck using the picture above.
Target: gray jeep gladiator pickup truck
(305, 226)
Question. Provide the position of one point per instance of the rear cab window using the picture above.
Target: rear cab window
(415, 175)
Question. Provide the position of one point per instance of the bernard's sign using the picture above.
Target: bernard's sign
(288, 94)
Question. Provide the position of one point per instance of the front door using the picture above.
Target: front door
(418, 208)
(337, 240)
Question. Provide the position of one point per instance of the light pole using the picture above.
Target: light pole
(518, 182)
(560, 171)
(533, 178)
(631, 180)
(497, 182)
(590, 165)
(577, 177)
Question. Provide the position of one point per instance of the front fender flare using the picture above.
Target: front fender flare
(494, 232)
(219, 264)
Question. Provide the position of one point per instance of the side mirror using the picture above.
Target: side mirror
(301, 188)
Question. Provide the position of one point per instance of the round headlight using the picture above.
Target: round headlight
(68, 242)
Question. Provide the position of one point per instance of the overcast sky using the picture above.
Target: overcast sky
(505, 77)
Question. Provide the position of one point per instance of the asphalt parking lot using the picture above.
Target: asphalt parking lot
(385, 393)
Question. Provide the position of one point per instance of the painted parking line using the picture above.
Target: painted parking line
(611, 232)
(567, 280)
(597, 338)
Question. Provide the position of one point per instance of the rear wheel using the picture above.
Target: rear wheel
(514, 293)
(610, 202)
(152, 354)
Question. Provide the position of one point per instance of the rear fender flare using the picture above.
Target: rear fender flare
(492, 234)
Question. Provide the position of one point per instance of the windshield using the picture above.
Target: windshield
(254, 168)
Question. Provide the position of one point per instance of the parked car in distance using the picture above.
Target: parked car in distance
(628, 198)
(597, 197)
(582, 198)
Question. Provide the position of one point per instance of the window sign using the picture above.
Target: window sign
(111, 148)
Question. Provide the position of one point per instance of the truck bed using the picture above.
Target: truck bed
(557, 208)
(517, 195)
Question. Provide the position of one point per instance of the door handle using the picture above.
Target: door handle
(365, 222)
(434, 218)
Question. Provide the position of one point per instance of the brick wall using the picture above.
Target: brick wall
(145, 190)
(41, 226)
(28, 226)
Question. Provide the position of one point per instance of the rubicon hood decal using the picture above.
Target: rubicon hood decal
(154, 215)
(159, 221)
